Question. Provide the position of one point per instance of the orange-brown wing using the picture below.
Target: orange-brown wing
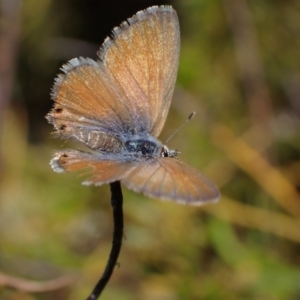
(129, 89)
(171, 179)
(86, 100)
(102, 169)
(141, 61)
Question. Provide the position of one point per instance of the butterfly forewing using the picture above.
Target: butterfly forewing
(169, 178)
(142, 61)
(85, 99)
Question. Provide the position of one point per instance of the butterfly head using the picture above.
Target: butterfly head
(166, 152)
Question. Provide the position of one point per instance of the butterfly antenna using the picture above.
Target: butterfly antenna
(187, 120)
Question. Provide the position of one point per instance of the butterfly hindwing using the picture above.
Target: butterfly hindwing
(169, 178)
(100, 169)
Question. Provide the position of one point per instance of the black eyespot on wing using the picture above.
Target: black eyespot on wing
(58, 110)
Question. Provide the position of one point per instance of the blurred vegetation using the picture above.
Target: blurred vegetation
(240, 71)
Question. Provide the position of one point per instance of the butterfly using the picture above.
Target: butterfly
(117, 107)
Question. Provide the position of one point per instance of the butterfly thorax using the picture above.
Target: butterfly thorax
(149, 148)
(142, 147)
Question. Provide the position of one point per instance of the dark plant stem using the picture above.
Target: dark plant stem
(116, 203)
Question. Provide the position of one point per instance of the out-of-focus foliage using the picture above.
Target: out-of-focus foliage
(240, 71)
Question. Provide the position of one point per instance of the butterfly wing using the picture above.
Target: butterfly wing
(102, 168)
(165, 178)
(169, 178)
(130, 89)
(142, 61)
(85, 101)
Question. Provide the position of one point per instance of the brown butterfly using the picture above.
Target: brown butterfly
(117, 107)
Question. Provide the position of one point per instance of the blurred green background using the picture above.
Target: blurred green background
(240, 71)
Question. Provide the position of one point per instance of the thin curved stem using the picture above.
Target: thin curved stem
(117, 205)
